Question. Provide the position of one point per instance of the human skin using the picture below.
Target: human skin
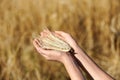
(65, 58)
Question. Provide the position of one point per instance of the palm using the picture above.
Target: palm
(48, 54)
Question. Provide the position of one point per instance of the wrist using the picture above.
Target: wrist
(77, 49)
(65, 58)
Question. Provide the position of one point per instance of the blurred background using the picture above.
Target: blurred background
(94, 24)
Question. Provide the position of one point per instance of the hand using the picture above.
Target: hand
(50, 54)
(67, 38)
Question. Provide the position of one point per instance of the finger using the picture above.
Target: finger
(59, 36)
(43, 51)
(64, 36)
(61, 33)
(47, 31)
(38, 42)
(44, 55)
(35, 44)
(39, 49)
(48, 52)
(43, 34)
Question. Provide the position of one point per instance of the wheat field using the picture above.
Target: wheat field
(94, 24)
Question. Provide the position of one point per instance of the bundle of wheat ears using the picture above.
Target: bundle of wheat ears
(48, 40)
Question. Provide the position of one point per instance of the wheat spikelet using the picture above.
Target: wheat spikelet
(50, 41)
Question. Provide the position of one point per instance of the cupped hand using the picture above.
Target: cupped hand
(67, 38)
(53, 54)
(50, 54)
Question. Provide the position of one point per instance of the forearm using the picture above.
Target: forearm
(72, 68)
(91, 67)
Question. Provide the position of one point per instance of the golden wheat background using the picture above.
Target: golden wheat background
(94, 24)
